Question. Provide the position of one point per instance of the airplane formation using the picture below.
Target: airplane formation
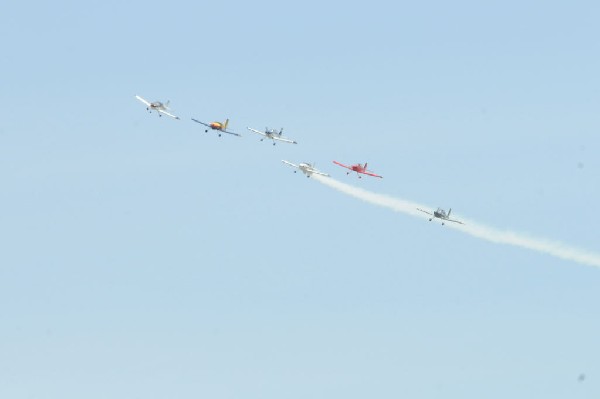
(271, 134)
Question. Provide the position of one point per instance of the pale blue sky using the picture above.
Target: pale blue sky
(143, 258)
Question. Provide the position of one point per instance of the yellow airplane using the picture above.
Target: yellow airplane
(221, 127)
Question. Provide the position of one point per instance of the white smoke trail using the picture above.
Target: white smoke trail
(556, 249)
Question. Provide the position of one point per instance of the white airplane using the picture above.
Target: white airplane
(273, 135)
(306, 168)
(157, 106)
(441, 214)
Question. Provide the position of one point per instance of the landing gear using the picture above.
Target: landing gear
(274, 143)
(219, 134)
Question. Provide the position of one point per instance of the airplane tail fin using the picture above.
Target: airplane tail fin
(225, 124)
(449, 212)
(280, 131)
(167, 104)
(365, 166)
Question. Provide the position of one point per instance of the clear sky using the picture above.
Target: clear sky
(144, 258)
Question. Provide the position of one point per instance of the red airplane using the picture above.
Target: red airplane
(358, 168)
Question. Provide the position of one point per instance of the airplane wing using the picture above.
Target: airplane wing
(275, 137)
(162, 111)
(455, 221)
(342, 165)
(316, 172)
(235, 134)
(202, 123)
(424, 211)
(291, 164)
(144, 101)
(372, 174)
(256, 131)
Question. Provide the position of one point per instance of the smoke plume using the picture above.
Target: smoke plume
(470, 227)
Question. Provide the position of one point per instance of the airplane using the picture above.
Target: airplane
(441, 214)
(157, 106)
(221, 127)
(358, 168)
(273, 135)
(307, 168)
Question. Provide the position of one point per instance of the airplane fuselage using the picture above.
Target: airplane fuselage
(305, 168)
(441, 214)
(216, 126)
(271, 133)
(358, 168)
